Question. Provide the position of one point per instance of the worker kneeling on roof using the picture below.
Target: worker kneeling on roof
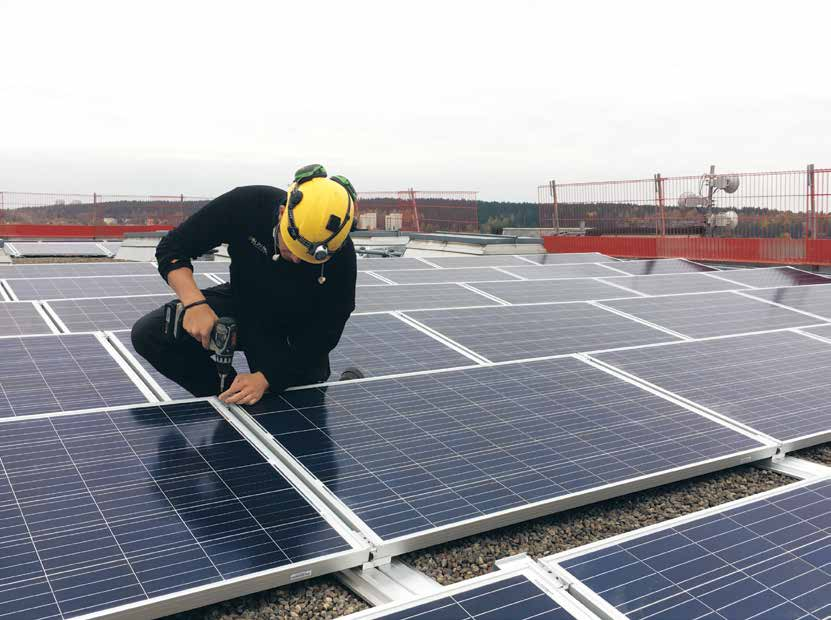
(292, 288)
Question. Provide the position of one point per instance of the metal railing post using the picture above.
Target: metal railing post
(660, 223)
(555, 210)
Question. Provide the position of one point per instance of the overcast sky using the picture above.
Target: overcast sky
(198, 97)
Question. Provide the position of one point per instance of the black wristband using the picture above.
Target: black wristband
(195, 303)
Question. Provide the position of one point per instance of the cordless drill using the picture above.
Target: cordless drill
(222, 342)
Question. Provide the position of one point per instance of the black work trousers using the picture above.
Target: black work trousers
(185, 361)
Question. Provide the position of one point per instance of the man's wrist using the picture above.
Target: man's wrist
(262, 378)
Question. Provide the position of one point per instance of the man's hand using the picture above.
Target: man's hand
(199, 322)
(246, 389)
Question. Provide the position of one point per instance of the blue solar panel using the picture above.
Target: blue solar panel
(549, 272)
(506, 333)
(18, 319)
(415, 296)
(767, 381)
(105, 313)
(711, 314)
(541, 291)
(767, 559)
(654, 267)
(45, 374)
(511, 598)
(427, 276)
(104, 286)
(63, 270)
(414, 453)
(774, 276)
(124, 506)
(814, 299)
(674, 284)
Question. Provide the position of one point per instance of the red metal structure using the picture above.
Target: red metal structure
(766, 217)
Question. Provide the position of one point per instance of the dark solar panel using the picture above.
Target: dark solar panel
(21, 318)
(423, 276)
(814, 299)
(548, 272)
(105, 313)
(414, 453)
(63, 270)
(767, 381)
(58, 248)
(125, 506)
(564, 259)
(674, 284)
(654, 267)
(45, 374)
(507, 333)
(388, 298)
(116, 286)
(374, 264)
(380, 344)
(771, 277)
(172, 390)
(711, 314)
(488, 260)
(766, 559)
(511, 598)
(538, 291)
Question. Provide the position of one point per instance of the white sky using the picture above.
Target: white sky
(198, 97)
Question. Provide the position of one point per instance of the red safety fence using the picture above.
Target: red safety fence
(770, 217)
(96, 215)
(418, 211)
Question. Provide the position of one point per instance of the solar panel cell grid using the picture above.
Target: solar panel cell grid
(674, 284)
(414, 453)
(547, 291)
(489, 260)
(106, 509)
(766, 559)
(576, 257)
(116, 286)
(711, 314)
(425, 276)
(506, 333)
(374, 264)
(653, 267)
(549, 272)
(813, 299)
(62, 270)
(770, 382)
(103, 314)
(19, 319)
(58, 248)
(45, 374)
(403, 297)
(771, 277)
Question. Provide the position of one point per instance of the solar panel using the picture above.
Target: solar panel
(373, 264)
(504, 333)
(104, 313)
(487, 260)
(771, 277)
(766, 381)
(541, 291)
(412, 454)
(211, 266)
(575, 257)
(22, 318)
(366, 279)
(105, 286)
(711, 314)
(165, 388)
(822, 330)
(665, 265)
(496, 597)
(548, 272)
(758, 558)
(59, 248)
(45, 374)
(63, 270)
(125, 506)
(814, 299)
(388, 298)
(112, 246)
(674, 284)
(429, 276)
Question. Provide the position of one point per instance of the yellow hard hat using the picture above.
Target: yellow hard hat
(319, 214)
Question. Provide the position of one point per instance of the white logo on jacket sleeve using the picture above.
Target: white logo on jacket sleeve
(259, 246)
